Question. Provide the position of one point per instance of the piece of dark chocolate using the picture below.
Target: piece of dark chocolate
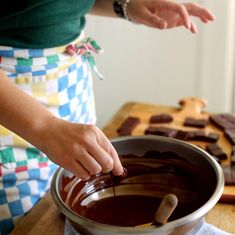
(227, 198)
(223, 121)
(217, 151)
(161, 118)
(162, 131)
(212, 137)
(233, 155)
(229, 117)
(128, 126)
(202, 136)
(230, 135)
(229, 174)
(199, 123)
(183, 135)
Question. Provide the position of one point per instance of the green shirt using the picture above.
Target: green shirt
(41, 23)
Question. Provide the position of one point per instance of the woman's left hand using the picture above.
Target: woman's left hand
(166, 14)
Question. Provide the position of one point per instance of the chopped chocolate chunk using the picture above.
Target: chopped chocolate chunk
(198, 135)
(161, 118)
(183, 135)
(229, 174)
(233, 155)
(202, 136)
(216, 151)
(128, 126)
(212, 137)
(162, 131)
(217, 159)
(227, 198)
(230, 135)
(223, 121)
(199, 123)
(229, 117)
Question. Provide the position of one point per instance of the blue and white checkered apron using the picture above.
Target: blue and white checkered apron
(60, 79)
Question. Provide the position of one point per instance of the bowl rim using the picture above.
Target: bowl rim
(194, 216)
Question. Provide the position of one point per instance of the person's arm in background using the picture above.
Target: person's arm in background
(82, 149)
(161, 14)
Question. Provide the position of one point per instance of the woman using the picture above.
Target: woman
(46, 99)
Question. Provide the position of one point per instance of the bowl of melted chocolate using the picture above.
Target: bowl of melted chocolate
(155, 167)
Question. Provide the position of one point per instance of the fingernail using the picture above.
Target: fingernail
(123, 173)
(106, 171)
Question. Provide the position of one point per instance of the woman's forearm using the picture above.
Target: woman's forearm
(82, 149)
(103, 8)
(21, 113)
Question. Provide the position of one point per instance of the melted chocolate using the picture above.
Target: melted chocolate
(133, 199)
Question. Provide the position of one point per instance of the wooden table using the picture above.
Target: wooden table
(46, 219)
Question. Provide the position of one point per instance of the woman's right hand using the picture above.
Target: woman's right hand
(82, 149)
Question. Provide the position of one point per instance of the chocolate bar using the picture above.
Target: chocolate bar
(227, 198)
(161, 118)
(202, 136)
(162, 131)
(223, 121)
(229, 174)
(230, 135)
(128, 126)
(233, 155)
(183, 135)
(199, 123)
(216, 151)
(197, 136)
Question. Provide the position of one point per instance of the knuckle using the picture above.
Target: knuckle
(83, 175)
(108, 164)
(96, 170)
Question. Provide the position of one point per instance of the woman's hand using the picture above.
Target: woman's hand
(82, 149)
(166, 14)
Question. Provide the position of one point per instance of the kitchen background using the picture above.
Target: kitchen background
(161, 67)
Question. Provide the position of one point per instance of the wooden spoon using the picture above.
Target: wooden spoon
(164, 211)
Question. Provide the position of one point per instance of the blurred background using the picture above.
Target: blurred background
(161, 67)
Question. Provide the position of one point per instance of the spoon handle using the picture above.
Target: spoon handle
(165, 209)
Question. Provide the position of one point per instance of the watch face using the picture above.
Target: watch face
(117, 7)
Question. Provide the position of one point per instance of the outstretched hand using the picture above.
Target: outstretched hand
(166, 14)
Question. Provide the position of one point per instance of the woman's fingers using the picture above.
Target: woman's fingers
(117, 166)
(88, 162)
(78, 170)
(166, 14)
(181, 10)
(198, 11)
(108, 148)
(95, 152)
(102, 158)
(153, 20)
(193, 28)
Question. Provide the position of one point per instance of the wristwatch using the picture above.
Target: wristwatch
(118, 9)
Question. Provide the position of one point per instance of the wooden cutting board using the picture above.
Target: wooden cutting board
(188, 107)
(45, 218)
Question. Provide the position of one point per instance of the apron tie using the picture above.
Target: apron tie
(86, 48)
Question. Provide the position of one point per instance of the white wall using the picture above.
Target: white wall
(148, 65)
